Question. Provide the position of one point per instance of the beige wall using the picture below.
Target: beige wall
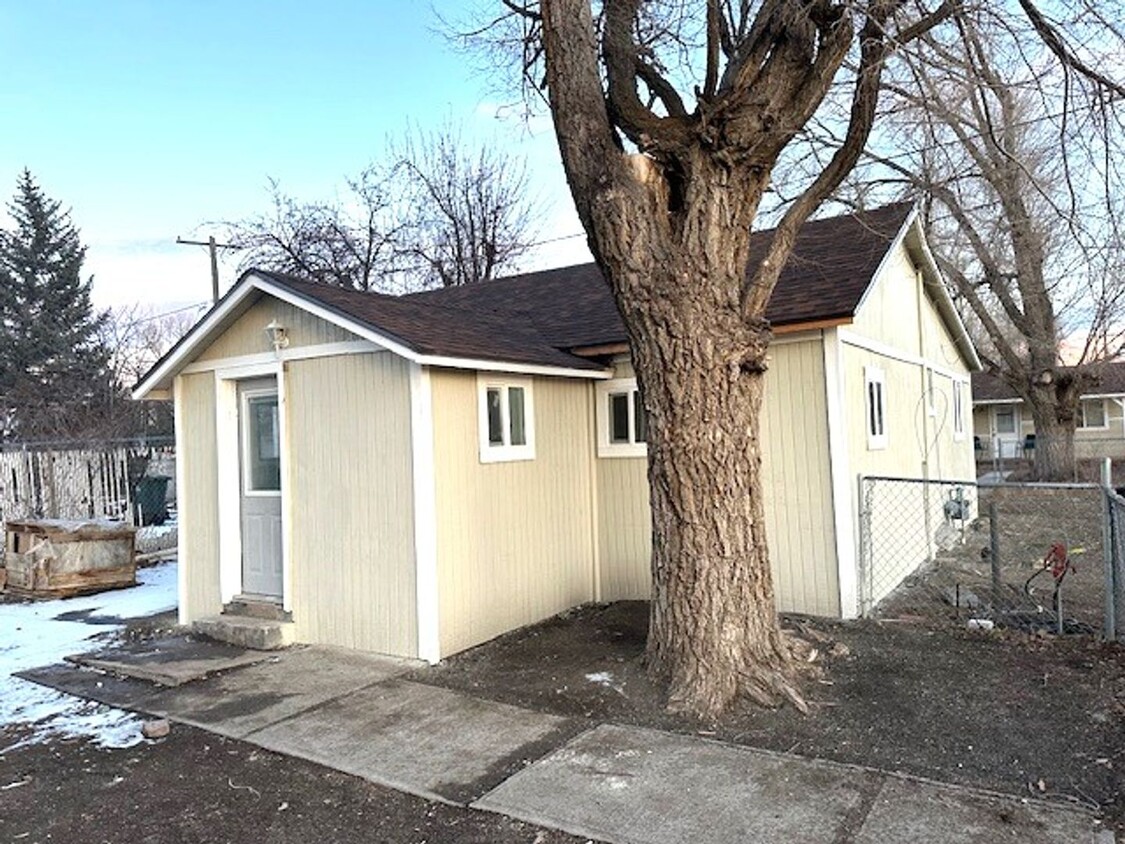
(514, 540)
(798, 490)
(1089, 443)
(349, 509)
(197, 503)
(897, 313)
(247, 335)
(890, 307)
(906, 339)
(351, 502)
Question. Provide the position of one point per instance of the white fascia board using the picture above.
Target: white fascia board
(254, 283)
(946, 309)
(899, 237)
(1083, 397)
(513, 368)
(936, 283)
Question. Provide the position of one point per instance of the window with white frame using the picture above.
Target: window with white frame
(874, 390)
(622, 427)
(507, 419)
(958, 410)
(1091, 414)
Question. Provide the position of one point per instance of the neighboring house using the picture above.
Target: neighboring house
(1003, 428)
(417, 475)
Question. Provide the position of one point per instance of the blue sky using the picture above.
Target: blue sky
(151, 119)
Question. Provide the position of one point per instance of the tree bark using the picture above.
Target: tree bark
(714, 633)
(1054, 409)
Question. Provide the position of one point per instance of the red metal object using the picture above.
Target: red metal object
(1057, 561)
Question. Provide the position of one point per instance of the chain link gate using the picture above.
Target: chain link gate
(1021, 556)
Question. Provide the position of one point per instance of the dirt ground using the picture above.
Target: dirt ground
(194, 787)
(1011, 712)
(1029, 522)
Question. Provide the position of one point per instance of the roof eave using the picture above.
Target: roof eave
(935, 285)
(252, 284)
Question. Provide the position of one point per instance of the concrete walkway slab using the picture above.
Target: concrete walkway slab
(286, 683)
(638, 786)
(422, 739)
(926, 813)
(169, 662)
(92, 685)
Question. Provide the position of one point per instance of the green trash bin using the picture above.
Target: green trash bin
(150, 499)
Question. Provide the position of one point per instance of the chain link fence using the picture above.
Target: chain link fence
(1021, 556)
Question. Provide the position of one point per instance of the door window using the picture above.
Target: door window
(263, 444)
(1006, 419)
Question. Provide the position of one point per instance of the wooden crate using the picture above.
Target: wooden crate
(58, 558)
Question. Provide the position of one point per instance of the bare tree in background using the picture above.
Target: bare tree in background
(136, 337)
(348, 242)
(671, 118)
(466, 213)
(1019, 174)
(433, 212)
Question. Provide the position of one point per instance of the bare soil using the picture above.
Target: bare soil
(1029, 521)
(198, 787)
(1042, 717)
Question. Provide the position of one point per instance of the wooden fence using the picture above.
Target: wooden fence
(72, 483)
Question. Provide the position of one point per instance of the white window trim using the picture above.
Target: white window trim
(490, 453)
(958, 388)
(875, 375)
(602, 392)
(1082, 426)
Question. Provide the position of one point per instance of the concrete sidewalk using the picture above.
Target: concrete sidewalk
(356, 713)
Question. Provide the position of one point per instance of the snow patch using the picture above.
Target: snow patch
(38, 637)
(606, 678)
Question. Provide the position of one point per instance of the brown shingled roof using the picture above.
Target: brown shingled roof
(433, 328)
(1109, 380)
(833, 262)
(537, 318)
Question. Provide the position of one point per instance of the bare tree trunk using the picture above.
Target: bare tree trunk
(700, 363)
(714, 631)
(1054, 443)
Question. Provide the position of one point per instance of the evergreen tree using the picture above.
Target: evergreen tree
(55, 378)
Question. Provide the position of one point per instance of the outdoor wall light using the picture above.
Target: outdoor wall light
(278, 334)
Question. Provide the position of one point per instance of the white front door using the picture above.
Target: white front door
(260, 476)
(1006, 429)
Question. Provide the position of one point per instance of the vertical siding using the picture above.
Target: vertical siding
(798, 494)
(624, 528)
(247, 335)
(514, 540)
(921, 438)
(798, 480)
(890, 307)
(350, 482)
(197, 500)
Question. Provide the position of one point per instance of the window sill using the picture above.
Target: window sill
(612, 451)
(507, 454)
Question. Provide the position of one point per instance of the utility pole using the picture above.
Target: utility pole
(213, 248)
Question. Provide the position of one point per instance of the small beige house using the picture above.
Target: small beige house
(417, 475)
(1004, 429)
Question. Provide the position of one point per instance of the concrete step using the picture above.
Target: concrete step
(252, 607)
(259, 634)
